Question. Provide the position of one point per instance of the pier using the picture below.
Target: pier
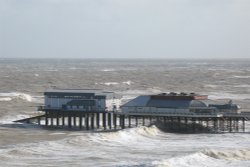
(97, 110)
(172, 122)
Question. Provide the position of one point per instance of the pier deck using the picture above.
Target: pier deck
(173, 122)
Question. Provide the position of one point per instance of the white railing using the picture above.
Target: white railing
(175, 114)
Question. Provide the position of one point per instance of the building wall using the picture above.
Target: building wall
(153, 109)
(55, 102)
(101, 104)
(113, 104)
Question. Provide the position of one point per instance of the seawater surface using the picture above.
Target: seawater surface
(22, 82)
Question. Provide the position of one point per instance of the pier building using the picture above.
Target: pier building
(81, 100)
(178, 103)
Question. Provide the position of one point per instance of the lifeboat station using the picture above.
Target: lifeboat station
(97, 110)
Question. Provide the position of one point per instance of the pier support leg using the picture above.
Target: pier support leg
(46, 118)
(63, 118)
(51, 120)
(69, 120)
(243, 124)
(230, 124)
(104, 120)
(215, 125)
(80, 121)
(122, 121)
(93, 121)
(136, 121)
(87, 121)
(179, 124)
(237, 124)
(194, 124)
(74, 118)
(98, 120)
(129, 121)
(57, 118)
(114, 120)
(109, 121)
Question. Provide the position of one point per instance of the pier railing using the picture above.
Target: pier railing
(179, 114)
(109, 120)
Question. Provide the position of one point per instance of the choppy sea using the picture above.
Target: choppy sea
(22, 82)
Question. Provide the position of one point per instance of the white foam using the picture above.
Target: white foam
(127, 82)
(5, 99)
(8, 119)
(134, 136)
(241, 77)
(210, 86)
(19, 95)
(36, 75)
(109, 83)
(229, 154)
(194, 160)
(242, 86)
(108, 70)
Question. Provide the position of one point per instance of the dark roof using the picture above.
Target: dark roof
(147, 101)
(81, 103)
(168, 103)
(138, 101)
(89, 92)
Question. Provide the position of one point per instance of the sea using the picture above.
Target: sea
(23, 81)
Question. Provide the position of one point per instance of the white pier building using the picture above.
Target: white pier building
(81, 100)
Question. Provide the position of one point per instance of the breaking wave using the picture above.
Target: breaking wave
(194, 160)
(242, 77)
(5, 99)
(8, 119)
(207, 158)
(132, 135)
(19, 95)
(108, 70)
(109, 83)
(229, 154)
(115, 83)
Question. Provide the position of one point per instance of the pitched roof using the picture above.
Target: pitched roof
(147, 101)
(138, 101)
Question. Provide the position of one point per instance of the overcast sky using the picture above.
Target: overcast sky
(125, 28)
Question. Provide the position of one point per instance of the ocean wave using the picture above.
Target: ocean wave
(108, 70)
(221, 95)
(109, 83)
(229, 154)
(18, 95)
(114, 83)
(8, 119)
(195, 160)
(242, 77)
(117, 138)
(242, 86)
(210, 86)
(5, 99)
(127, 82)
(137, 133)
